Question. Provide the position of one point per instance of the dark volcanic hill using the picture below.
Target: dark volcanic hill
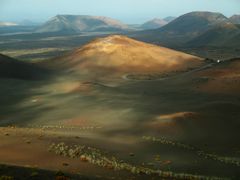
(11, 68)
(194, 22)
(183, 28)
(235, 19)
(81, 23)
(222, 35)
(154, 24)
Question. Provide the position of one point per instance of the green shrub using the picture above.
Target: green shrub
(6, 178)
(34, 174)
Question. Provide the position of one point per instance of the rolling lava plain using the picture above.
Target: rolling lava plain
(181, 122)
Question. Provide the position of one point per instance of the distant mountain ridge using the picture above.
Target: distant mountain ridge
(154, 24)
(27, 22)
(6, 24)
(81, 23)
(169, 18)
(235, 19)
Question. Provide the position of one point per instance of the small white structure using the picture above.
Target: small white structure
(34, 100)
(218, 61)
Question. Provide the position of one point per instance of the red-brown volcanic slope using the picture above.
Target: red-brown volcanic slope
(122, 54)
(224, 78)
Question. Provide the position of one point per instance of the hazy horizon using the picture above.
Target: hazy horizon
(131, 12)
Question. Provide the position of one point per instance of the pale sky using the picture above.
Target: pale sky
(127, 11)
